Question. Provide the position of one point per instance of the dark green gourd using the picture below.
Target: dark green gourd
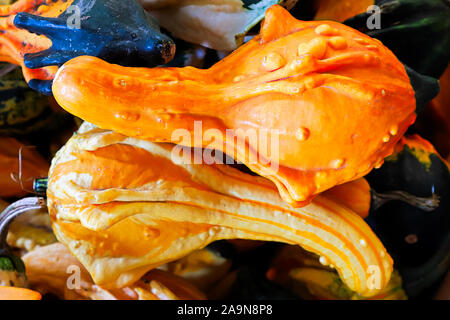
(417, 31)
(418, 240)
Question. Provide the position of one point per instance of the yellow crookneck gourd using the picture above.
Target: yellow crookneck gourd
(124, 206)
(308, 105)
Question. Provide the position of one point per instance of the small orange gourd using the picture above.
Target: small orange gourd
(14, 293)
(19, 166)
(354, 194)
(309, 105)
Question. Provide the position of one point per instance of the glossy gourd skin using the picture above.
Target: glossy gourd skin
(117, 31)
(315, 85)
(419, 241)
(124, 206)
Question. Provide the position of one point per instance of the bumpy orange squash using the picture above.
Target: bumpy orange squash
(124, 206)
(308, 105)
(19, 166)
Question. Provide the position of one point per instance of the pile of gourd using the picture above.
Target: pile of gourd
(355, 203)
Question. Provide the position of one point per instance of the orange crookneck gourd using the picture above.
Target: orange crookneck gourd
(124, 206)
(308, 105)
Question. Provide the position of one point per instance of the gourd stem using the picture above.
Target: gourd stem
(424, 203)
(14, 210)
(40, 186)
